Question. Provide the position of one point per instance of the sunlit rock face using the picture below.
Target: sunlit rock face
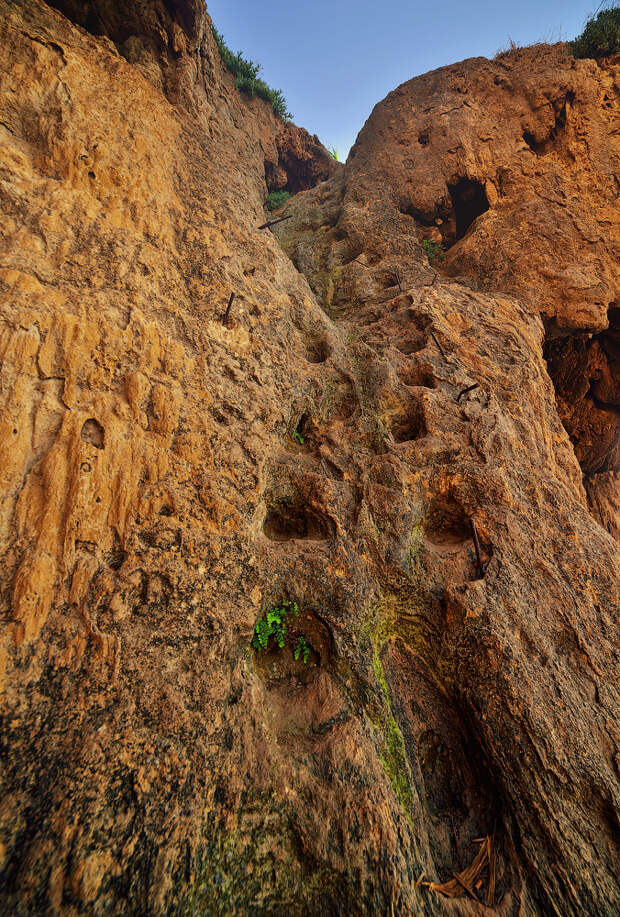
(170, 478)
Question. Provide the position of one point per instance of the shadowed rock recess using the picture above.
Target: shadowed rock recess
(168, 478)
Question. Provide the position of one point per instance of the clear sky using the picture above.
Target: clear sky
(335, 59)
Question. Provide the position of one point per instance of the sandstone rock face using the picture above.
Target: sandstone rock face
(514, 165)
(168, 478)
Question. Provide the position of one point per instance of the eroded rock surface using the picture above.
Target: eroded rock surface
(167, 478)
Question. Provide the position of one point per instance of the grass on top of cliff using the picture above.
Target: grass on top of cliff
(247, 78)
(600, 37)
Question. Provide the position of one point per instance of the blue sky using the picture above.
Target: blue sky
(335, 59)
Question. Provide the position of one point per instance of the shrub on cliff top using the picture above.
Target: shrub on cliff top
(600, 37)
(247, 78)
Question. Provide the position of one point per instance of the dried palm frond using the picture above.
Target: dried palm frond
(463, 882)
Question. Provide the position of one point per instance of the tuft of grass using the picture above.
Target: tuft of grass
(333, 152)
(600, 37)
(509, 48)
(247, 79)
(433, 250)
(276, 199)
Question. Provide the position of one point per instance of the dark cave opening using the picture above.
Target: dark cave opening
(469, 201)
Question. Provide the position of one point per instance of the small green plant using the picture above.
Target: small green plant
(333, 152)
(273, 624)
(299, 437)
(276, 199)
(247, 78)
(433, 250)
(600, 37)
(302, 649)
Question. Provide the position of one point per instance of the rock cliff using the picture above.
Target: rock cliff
(168, 478)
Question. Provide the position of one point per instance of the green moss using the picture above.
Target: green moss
(392, 753)
(392, 746)
(400, 615)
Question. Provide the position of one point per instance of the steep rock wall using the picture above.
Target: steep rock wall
(156, 502)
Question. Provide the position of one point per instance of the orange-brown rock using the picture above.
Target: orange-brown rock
(514, 164)
(156, 502)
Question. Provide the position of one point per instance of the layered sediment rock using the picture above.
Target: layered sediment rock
(156, 500)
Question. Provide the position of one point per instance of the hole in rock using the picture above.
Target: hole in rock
(318, 351)
(343, 408)
(419, 320)
(302, 431)
(116, 557)
(410, 426)
(295, 521)
(446, 522)
(417, 375)
(303, 424)
(93, 433)
(306, 636)
(414, 342)
(148, 539)
(91, 175)
(423, 139)
(166, 510)
(469, 201)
